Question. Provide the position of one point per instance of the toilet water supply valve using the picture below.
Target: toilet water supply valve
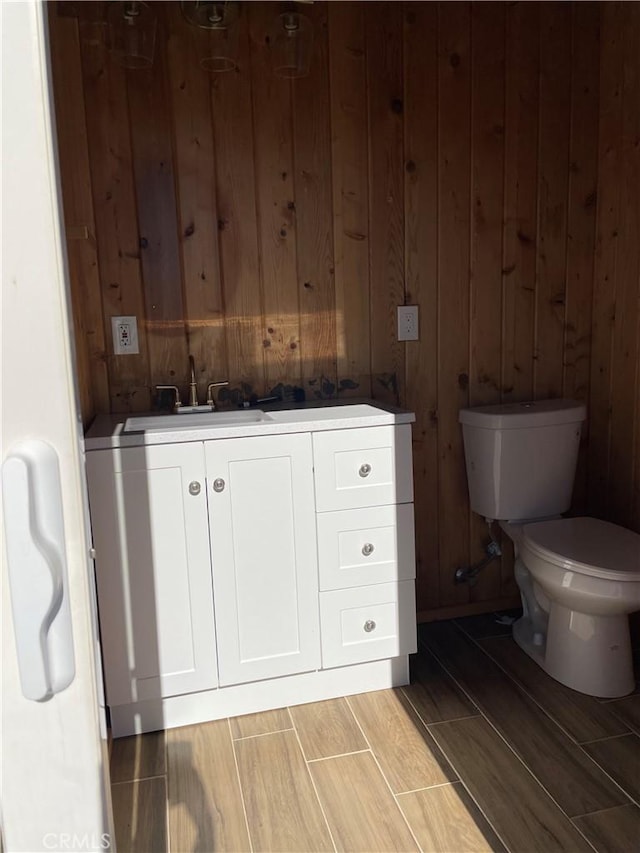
(469, 574)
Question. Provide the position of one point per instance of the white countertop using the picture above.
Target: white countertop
(108, 431)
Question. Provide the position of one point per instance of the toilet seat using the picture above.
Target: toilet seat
(586, 546)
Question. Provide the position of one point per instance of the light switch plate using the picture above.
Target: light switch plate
(125, 335)
(408, 329)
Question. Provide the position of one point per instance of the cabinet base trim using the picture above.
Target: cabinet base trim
(155, 714)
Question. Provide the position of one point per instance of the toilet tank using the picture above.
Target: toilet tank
(521, 457)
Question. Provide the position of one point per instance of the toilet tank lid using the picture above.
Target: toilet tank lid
(521, 415)
(587, 545)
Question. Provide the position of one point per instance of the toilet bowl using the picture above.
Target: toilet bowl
(579, 578)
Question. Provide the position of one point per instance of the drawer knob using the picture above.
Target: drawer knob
(194, 487)
(218, 485)
(367, 549)
(365, 470)
(369, 626)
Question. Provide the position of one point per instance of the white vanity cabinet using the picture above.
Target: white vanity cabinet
(263, 550)
(250, 567)
(150, 532)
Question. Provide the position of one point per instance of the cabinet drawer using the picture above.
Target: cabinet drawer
(367, 623)
(363, 467)
(358, 547)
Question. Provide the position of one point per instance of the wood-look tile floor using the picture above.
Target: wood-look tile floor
(482, 751)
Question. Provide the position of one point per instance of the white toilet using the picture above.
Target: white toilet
(579, 578)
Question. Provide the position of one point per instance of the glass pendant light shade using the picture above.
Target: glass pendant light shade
(132, 34)
(291, 44)
(218, 45)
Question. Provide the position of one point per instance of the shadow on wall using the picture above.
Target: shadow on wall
(277, 365)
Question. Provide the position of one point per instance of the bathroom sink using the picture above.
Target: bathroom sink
(200, 420)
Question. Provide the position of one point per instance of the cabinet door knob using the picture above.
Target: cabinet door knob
(218, 485)
(194, 487)
(369, 626)
(365, 470)
(367, 549)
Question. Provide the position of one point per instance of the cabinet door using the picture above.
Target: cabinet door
(150, 529)
(263, 548)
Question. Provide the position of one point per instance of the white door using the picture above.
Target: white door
(55, 779)
(264, 556)
(151, 535)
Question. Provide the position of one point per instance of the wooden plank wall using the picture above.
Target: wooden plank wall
(442, 154)
(614, 437)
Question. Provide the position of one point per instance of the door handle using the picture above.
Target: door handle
(37, 563)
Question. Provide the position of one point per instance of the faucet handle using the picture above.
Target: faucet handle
(210, 401)
(177, 404)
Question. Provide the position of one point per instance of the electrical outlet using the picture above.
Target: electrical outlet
(125, 335)
(408, 323)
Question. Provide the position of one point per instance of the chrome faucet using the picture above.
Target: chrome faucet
(193, 387)
(193, 393)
